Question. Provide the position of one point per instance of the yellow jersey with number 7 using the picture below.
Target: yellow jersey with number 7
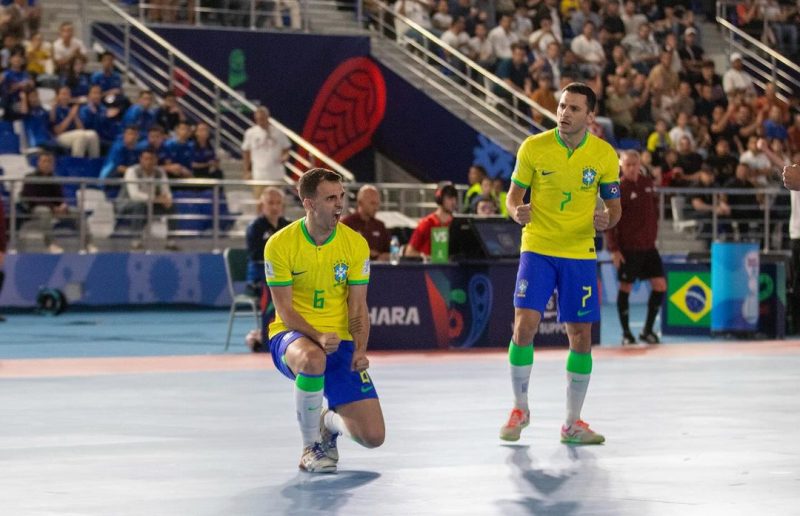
(564, 187)
(318, 274)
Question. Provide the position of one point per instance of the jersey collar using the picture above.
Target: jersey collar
(570, 152)
(308, 236)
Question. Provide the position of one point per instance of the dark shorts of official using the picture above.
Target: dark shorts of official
(640, 265)
(575, 280)
(342, 384)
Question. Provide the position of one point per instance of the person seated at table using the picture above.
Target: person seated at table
(420, 242)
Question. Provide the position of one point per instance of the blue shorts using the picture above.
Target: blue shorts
(342, 384)
(575, 280)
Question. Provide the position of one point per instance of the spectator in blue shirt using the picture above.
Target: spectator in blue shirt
(204, 158)
(36, 120)
(110, 81)
(155, 141)
(141, 114)
(179, 153)
(97, 117)
(123, 154)
(68, 128)
(14, 81)
(76, 79)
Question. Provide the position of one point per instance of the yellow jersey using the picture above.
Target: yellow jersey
(564, 188)
(318, 274)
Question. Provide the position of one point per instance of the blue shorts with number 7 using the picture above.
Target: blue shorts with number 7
(342, 384)
(575, 280)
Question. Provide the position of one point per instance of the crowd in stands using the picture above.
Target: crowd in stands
(658, 90)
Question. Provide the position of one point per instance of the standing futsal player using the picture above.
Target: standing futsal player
(565, 169)
(632, 244)
(317, 270)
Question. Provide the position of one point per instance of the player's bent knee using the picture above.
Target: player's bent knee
(372, 438)
(311, 361)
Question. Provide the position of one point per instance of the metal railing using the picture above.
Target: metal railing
(155, 64)
(764, 63)
(224, 208)
(466, 81)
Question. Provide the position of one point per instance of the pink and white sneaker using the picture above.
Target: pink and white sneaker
(580, 433)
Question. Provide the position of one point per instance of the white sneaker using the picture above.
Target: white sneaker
(580, 433)
(518, 420)
(92, 249)
(55, 249)
(328, 439)
(314, 460)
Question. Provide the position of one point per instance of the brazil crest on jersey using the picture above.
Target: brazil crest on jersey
(319, 274)
(564, 188)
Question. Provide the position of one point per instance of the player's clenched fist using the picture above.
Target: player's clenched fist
(523, 214)
(360, 361)
(600, 220)
(329, 342)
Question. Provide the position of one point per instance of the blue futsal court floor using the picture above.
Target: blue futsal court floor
(139, 413)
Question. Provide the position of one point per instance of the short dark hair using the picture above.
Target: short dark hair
(308, 183)
(583, 89)
(149, 150)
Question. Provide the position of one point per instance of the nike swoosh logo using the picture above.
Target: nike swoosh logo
(367, 388)
(314, 408)
(581, 313)
(548, 172)
(298, 273)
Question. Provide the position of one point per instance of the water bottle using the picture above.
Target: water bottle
(394, 251)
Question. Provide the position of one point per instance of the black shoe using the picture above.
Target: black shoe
(628, 339)
(2, 319)
(649, 337)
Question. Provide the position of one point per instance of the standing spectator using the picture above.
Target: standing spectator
(632, 243)
(265, 150)
(205, 164)
(45, 202)
(368, 225)
(134, 196)
(420, 242)
(66, 48)
(2, 251)
(68, 128)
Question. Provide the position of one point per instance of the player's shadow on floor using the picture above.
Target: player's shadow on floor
(302, 495)
(541, 484)
(307, 493)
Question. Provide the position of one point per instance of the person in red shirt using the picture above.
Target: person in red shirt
(632, 243)
(420, 242)
(363, 220)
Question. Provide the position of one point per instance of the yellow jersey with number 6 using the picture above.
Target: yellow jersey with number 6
(318, 274)
(564, 188)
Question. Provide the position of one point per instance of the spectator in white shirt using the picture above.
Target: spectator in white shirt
(501, 38)
(589, 50)
(542, 37)
(265, 149)
(736, 78)
(481, 48)
(67, 47)
(631, 18)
